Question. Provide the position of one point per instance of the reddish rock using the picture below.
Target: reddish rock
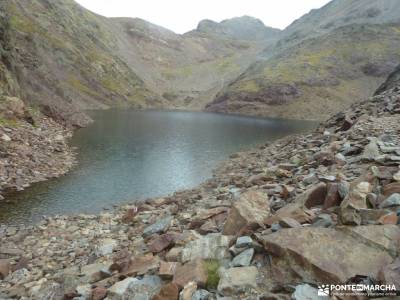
(173, 254)
(251, 208)
(167, 269)
(141, 265)
(192, 271)
(208, 227)
(99, 293)
(388, 219)
(206, 214)
(21, 264)
(332, 198)
(5, 268)
(168, 292)
(130, 215)
(333, 255)
(315, 196)
(347, 124)
(287, 191)
(161, 243)
(391, 188)
(295, 211)
(289, 223)
(121, 260)
(70, 295)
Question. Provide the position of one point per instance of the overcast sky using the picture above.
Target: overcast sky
(184, 15)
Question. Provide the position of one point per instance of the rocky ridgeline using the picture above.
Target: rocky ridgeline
(272, 223)
(32, 147)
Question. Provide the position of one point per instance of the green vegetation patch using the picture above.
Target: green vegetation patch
(212, 267)
(79, 86)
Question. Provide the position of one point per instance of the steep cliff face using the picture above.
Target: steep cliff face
(324, 61)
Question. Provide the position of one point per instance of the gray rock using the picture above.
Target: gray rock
(371, 151)
(340, 157)
(392, 200)
(95, 272)
(211, 246)
(106, 247)
(310, 179)
(201, 295)
(84, 290)
(120, 289)
(243, 259)
(276, 227)
(135, 289)
(323, 220)
(158, 227)
(344, 188)
(145, 288)
(306, 292)
(244, 242)
(237, 279)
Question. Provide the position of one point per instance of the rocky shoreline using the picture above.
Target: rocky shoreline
(272, 223)
(33, 147)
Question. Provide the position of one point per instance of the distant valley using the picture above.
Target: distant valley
(63, 59)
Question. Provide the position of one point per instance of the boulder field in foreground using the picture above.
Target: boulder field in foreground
(273, 223)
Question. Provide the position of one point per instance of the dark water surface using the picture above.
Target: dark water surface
(127, 155)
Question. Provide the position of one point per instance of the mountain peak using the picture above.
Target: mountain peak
(244, 28)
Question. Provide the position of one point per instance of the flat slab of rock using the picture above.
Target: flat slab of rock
(159, 227)
(294, 211)
(211, 246)
(334, 255)
(251, 208)
(243, 259)
(194, 271)
(235, 280)
(106, 246)
(141, 265)
(134, 288)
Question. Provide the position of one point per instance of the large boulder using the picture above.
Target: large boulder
(296, 211)
(135, 289)
(357, 198)
(252, 208)
(195, 271)
(333, 255)
(236, 280)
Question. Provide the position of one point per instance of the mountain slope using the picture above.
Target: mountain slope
(68, 59)
(65, 60)
(316, 69)
(187, 70)
(242, 28)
